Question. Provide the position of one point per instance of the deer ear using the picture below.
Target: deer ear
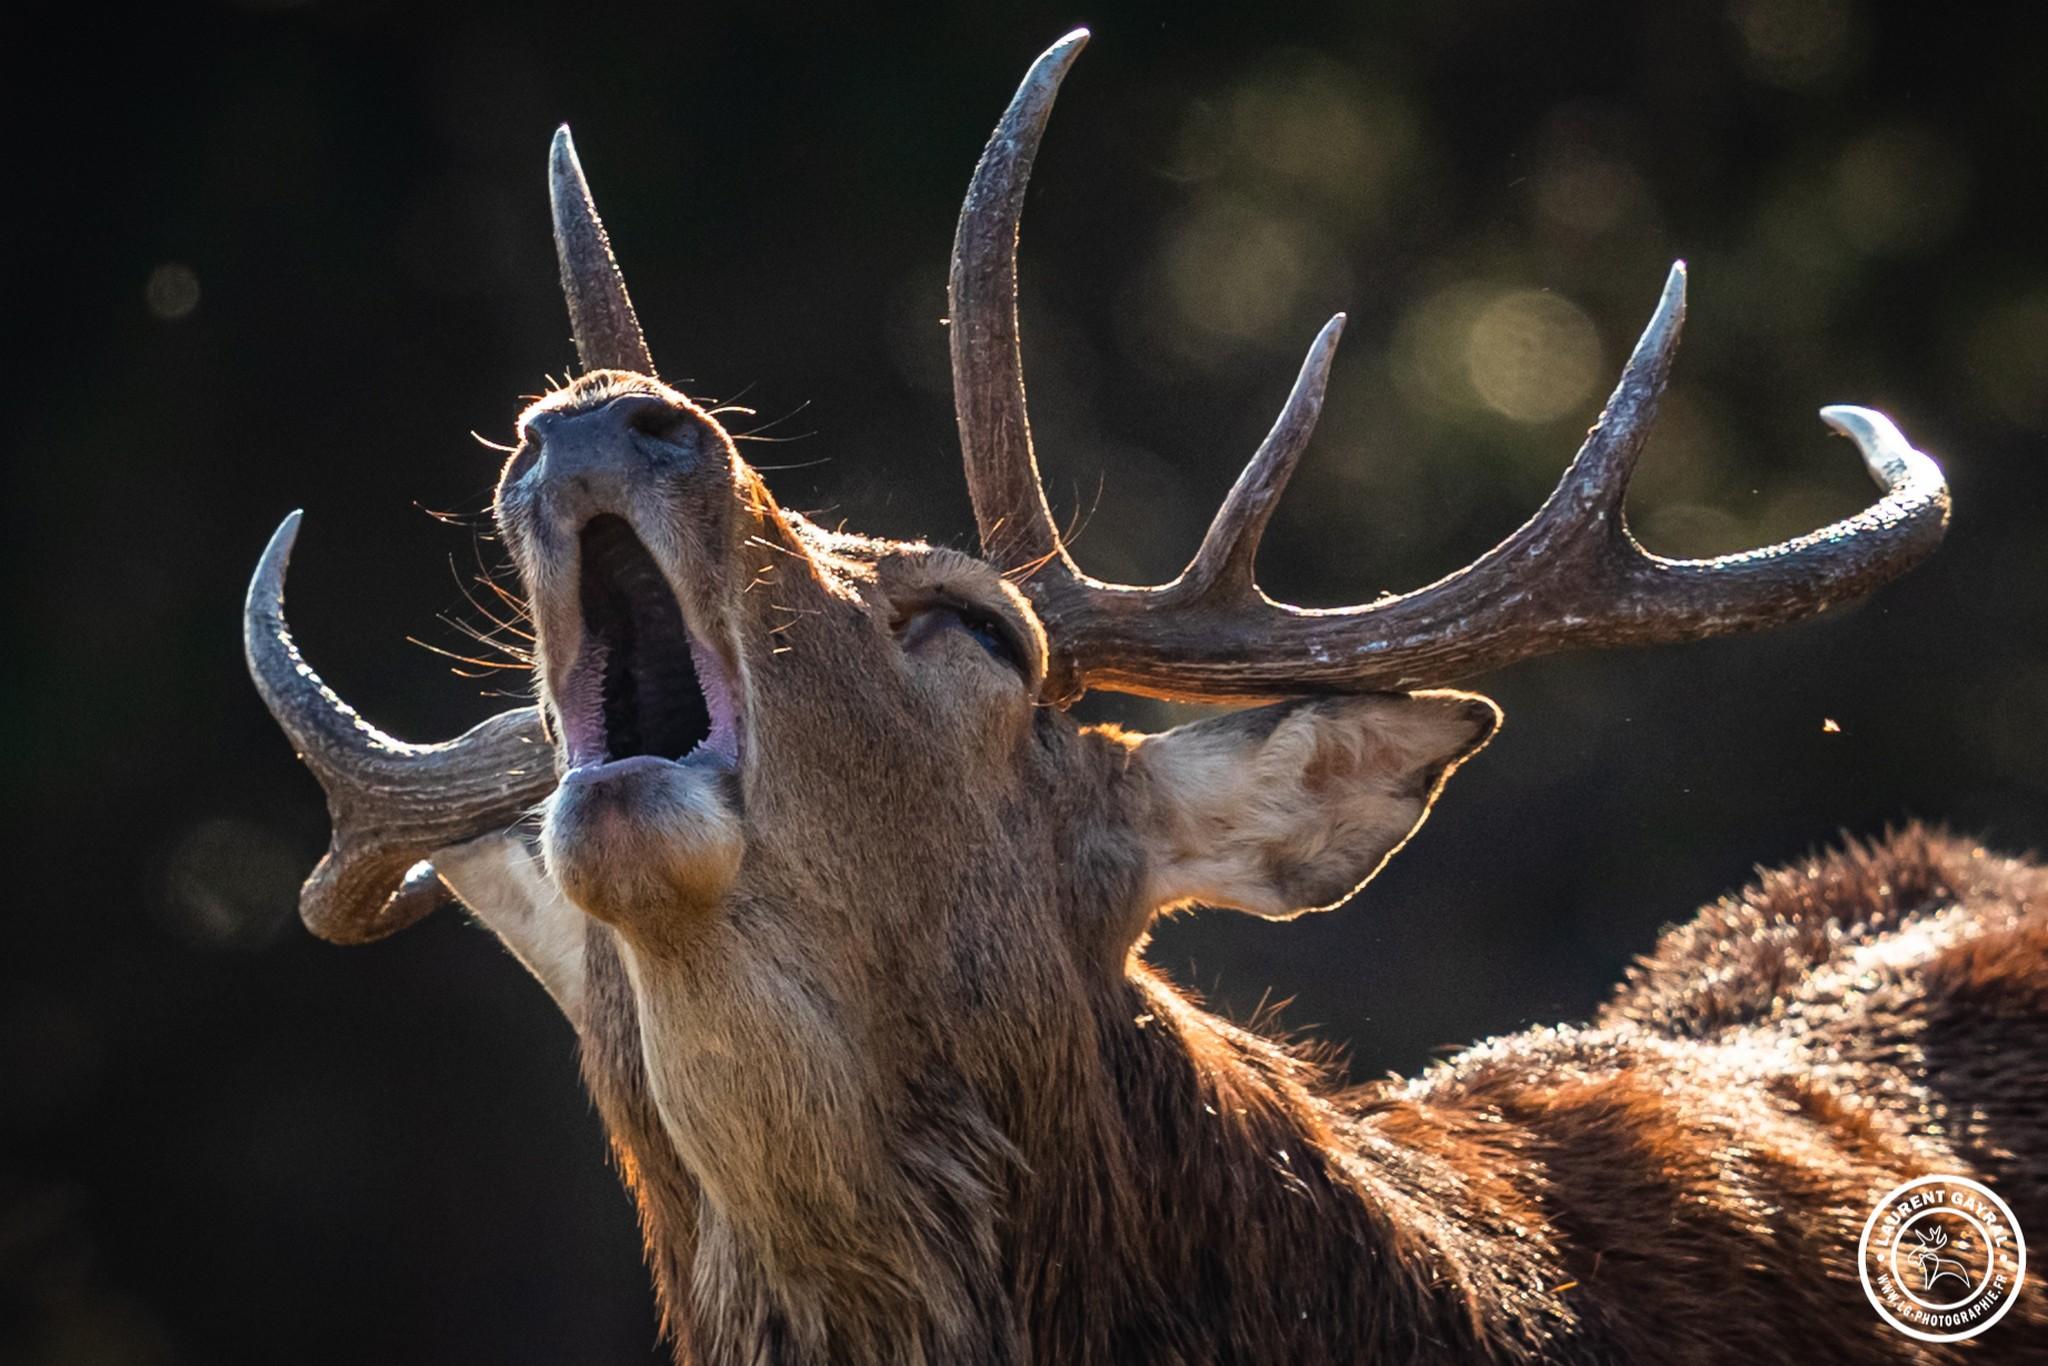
(1293, 807)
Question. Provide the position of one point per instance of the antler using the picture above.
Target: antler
(1571, 576)
(391, 804)
(601, 315)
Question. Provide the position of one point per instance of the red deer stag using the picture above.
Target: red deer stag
(847, 909)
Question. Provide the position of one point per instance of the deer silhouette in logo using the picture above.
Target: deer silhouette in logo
(1933, 1266)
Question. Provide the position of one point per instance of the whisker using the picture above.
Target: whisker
(767, 544)
(757, 433)
(472, 660)
(512, 649)
(730, 399)
(777, 441)
(774, 469)
(519, 608)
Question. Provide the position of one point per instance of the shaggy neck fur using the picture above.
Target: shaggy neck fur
(1681, 1180)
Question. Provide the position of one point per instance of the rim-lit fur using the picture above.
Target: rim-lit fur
(890, 1083)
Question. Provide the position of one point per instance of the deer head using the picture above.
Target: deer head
(876, 888)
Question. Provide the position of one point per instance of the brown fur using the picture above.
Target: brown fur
(1632, 1191)
(888, 1077)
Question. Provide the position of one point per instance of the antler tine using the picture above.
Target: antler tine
(1799, 578)
(1596, 482)
(391, 804)
(1222, 566)
(1017, 529)
(601, 315)
(1569, 577)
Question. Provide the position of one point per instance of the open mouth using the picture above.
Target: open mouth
(641, 685)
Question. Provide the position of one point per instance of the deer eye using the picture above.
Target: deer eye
(994, 637)
(987, 629)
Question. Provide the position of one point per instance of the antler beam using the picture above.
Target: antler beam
(391, 804)
(1570, 577)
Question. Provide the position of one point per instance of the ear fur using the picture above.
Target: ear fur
(1294, 807)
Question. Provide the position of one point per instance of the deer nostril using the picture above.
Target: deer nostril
(628, 436)
(651, 417)
(526, 453)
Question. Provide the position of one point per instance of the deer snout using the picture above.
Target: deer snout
(619, 506)
(601, 458)
(620, 446)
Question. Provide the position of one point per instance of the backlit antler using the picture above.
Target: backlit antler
(601, 315)
(391, 804)
(1570, 577)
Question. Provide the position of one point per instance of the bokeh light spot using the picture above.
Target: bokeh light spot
(1899, 189)
(1581, 190)
(2008, 357)
(1531, 356)
(1237, 271)
(1428, 356)
(172, 292)
(227, 883)
(1795, 43)
(1318, 124)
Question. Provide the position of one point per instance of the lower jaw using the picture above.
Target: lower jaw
(633, 841)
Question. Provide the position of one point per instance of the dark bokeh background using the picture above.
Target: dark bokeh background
(270, 255)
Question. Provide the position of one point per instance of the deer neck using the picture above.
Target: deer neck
(787, 1216)
(1159, 1189)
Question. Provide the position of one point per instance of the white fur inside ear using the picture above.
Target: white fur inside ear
(1294, 807)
